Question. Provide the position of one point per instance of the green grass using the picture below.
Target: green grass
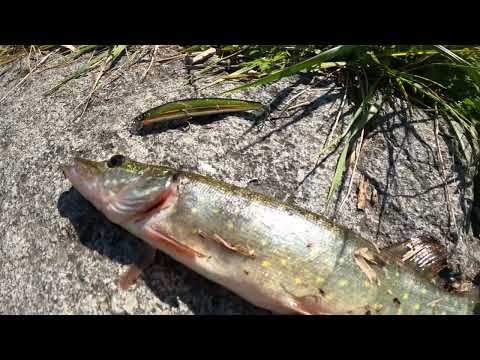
(442, 80)
(103, 57)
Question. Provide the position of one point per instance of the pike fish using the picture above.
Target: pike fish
(277, 256)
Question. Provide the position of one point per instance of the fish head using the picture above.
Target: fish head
(120, 188)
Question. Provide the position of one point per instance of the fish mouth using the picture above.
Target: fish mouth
(85, 175)
(81, 169)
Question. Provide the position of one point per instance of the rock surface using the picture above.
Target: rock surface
(60, 256)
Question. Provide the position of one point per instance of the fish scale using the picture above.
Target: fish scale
(277, 256)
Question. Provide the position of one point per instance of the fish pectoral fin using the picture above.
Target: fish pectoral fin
(308, 305)
(144, 260)
(423, 254)
(162, 240)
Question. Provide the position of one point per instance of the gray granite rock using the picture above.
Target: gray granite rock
(59, 255)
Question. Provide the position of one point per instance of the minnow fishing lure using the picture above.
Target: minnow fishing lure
(176, 113)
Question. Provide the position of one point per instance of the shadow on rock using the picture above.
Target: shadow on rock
(407, 139)
(322, 100)
(169, 280)
(95, 231)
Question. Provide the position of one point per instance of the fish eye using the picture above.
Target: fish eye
(116, 161)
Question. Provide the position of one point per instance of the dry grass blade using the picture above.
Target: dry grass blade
(337, 118)
(9, 54)
(287, 105)
(357, 156)
(363, 259)
(196, 76)
(362, 194)
(235, 75)
(70, 58)
(457, 118)
(151, 63)
(451, 216)
(94, 87)
(374, 198)
(299, 105)
(170, 58)
(84, 68)
(360, 119)
(112, 56)
(138, 54)
(200, 57)
(356, 120)
(83, 49)
(70, 47)
(109, 55)
(434, 303)
(27, 76)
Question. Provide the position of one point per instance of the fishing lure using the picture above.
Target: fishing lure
(177, 113)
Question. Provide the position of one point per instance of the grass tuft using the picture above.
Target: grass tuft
(443, 80)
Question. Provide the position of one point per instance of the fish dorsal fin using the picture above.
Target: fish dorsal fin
(423, 254)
